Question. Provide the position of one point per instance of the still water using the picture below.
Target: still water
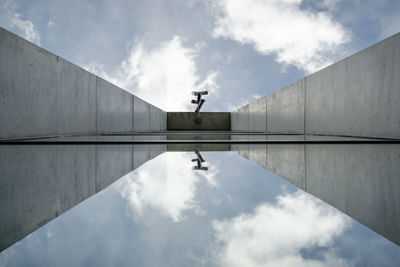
(200, 204)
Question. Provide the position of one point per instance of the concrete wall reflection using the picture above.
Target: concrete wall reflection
(362, 181)
(38, 183)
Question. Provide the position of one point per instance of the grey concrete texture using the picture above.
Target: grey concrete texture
(113, 162)
(357, 96)
(359, 180)
(141, 115)
(235, 121)
(218, 121)
(163, 120)
(23, 107)
(243, 118)
(42, 94)
(258, 152)
(241, 149)
(76, 99)
(258, 115)
(288, 161)
(114, 108)
(155, 119)
(39, 183)
(285, 109)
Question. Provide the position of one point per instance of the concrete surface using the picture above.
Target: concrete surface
(155, 119)
(285, 109)
(235, 120)
(287, 160)
(360, 180)
(42, 95)
(258, 115)
(243, 119)
(114, 108)
(163, 120)
(141, 115)
(39, 183)
(357, 96)
(25, 68)
(241, 149)
(218, 121)
(76, 99)
(258, 153)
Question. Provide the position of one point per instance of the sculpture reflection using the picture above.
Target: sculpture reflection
(200, 160)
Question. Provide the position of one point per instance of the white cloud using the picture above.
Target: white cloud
(166, 185)
(296, 36)
(275, 235)
(164, 76)
(26, 28)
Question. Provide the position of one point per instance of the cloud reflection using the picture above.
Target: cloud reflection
(166, 185)
(281, 234)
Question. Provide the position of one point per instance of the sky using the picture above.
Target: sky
(237, 213)
(238, 50)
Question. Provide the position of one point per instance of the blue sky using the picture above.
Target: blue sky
(238, 50)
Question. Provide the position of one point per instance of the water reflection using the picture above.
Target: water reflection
(199, 160)
(38, 183)
(167, 188)
(279, 234)
(161, 212)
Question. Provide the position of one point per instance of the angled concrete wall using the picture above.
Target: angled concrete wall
(258, 115)
(285, 109)
(39, 183)
(42, 94)
(357, 96)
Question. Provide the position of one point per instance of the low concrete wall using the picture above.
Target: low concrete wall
(216, 121)
(39, 183)
(358, 96)
(42, 94)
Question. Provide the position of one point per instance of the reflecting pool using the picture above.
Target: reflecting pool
(200, 204)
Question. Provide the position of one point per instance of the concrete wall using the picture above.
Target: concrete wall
(218, 121)
(258, 115)
(39, 183)
(362, 181)
(285, 109)
(241, 119)
(42, 94)
(357, 96)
